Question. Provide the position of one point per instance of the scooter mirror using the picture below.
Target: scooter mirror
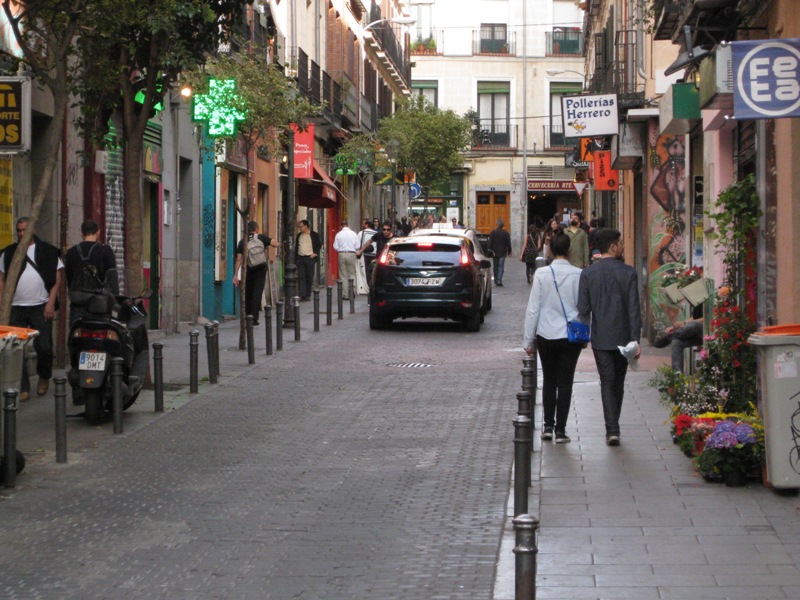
(146, 293)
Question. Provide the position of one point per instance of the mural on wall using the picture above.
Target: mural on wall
(667, 211)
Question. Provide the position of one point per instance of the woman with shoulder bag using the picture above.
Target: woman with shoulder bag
(530, 251)
(554, 301)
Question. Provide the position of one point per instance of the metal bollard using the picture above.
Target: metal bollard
(158, 376)
(525, 527)
(525, 409)
(530, 374)
(216, 350)
(279, 328)
(296, 308)
(316, 309)
(116, 393)
(268, 328)
(522, 464)
(10, 437)
(194, 344)
(212, 375)
(60, 395)
(339, 301)
(251, 345)
(352, 295)
(329, 318)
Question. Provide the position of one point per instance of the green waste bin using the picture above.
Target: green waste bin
(778, 349)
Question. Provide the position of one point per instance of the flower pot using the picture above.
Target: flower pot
(734, 478)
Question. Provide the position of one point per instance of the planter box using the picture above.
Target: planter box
(696, 292)
(673, 293)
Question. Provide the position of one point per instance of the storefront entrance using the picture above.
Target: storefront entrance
(491, 206)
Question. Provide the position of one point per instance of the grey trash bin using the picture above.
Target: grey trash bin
(778, 349)
(13, 341)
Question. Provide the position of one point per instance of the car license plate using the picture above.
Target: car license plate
(425, 281)
(92, 361)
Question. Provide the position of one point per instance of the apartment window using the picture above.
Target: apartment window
(494, 37)
(493, 111)
(427, 89)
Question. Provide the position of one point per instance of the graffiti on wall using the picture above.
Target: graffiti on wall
(668, 230)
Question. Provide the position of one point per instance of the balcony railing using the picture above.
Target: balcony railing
(616, 72)
(564, 43)
(554, 139)
(390, 42)
(506, 46)
(494, 135)
(431, 45)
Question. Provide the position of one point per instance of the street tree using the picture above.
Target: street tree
(132, 54)
(264, 103)
(363, 156)
(430, 140)
(45, 32)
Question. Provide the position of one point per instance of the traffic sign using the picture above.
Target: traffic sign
(579, 187)
(414, 190)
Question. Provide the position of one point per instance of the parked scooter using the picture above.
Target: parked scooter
(111, 325)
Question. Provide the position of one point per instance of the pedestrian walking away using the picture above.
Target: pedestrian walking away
(346, 244)
(85, 267)
(530, 251)
(553, 300)
(609, 295)
(35, 301)
(307, 247)
(500, 245)
(257, 259)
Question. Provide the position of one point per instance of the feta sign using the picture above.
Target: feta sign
(766, 79)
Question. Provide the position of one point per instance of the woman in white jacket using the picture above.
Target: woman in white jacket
(545, 322)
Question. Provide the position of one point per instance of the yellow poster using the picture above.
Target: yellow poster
(6, 203)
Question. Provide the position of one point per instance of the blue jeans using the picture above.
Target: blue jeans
(499, 268)
(688, 336)
(612, 368)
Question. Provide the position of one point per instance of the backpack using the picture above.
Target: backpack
(85, 279)
(256, 252)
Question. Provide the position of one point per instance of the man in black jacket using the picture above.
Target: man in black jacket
(34, 303)
(307, 247)
(609, 292)
(500, 245)
(92, 254)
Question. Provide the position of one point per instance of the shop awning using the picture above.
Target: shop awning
(320, 192)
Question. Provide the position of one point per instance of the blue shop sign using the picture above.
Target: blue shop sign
(766, 79)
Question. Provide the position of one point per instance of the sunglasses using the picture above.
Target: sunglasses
(385, 229)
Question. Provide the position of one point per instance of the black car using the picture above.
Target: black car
(429, 276)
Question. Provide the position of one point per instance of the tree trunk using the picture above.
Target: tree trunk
(52, 145)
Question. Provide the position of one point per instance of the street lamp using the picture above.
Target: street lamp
(553, 72)
(392, 147)
(397, 20)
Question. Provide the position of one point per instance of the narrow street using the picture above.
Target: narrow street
(353, 464)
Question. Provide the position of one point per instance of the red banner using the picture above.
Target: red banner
(303, 152)
(606, 179)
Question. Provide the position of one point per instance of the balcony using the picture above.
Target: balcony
(491, 44)
(564, 43)
(384, 39)
(494, 135)
(554, 140)
(615, 69)
(718, 16)
(432, 45)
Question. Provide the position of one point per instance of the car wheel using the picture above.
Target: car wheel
(473, 322)
(378, 321)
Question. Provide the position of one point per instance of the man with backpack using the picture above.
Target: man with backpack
(86, 265)
(256, 253)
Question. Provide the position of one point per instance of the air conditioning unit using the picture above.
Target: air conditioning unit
(716, 75)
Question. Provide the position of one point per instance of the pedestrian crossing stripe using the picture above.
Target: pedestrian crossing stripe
(410, 365)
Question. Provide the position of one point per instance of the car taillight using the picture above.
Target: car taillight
(96, 334)
(384, 256)
(464, 256)
(424, 244)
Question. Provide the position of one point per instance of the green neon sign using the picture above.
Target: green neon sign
(218, 108)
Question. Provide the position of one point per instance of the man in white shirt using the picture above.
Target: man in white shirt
(34, 303)
(346, 243)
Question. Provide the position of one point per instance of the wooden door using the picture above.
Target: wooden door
(490, 207)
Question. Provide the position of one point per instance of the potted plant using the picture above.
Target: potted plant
(733, 451)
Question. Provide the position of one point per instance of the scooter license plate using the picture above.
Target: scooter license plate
(92, 361)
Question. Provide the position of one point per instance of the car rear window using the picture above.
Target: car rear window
(424, 254)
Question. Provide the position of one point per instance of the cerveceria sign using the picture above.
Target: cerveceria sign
(15, 103)
(590, 116)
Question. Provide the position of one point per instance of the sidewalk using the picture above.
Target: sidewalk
(637, 521)
(36, 417)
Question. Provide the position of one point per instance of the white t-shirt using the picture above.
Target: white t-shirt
(30, 288)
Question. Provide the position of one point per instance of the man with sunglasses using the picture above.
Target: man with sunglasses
(34, 304)
(380, 239)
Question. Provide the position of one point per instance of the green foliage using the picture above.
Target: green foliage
(362, 154)
(430, 140)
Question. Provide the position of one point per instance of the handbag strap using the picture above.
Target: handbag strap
(559, 295)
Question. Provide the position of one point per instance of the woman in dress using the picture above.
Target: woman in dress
(554, 292)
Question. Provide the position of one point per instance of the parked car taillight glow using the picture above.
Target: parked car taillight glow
(384, 256)
(98, 334)
(464, 256)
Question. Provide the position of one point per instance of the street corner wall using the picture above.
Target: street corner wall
(667, 221)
